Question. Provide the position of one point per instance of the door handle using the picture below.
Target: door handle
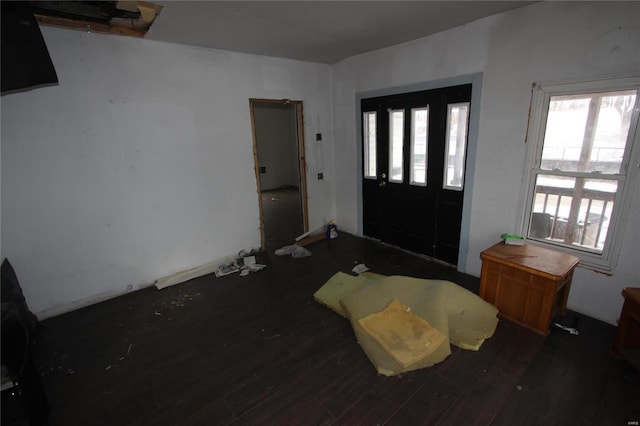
(382, 181)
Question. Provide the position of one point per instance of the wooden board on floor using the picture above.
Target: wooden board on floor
(311, 239)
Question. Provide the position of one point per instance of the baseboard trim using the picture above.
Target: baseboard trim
(168, 281)
(83, 303)
(189, 274)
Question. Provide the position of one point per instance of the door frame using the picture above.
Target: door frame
(302, 165)
(475, 80)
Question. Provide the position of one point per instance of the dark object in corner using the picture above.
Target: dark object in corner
(627, 341)
(26, 63)
(24, 394)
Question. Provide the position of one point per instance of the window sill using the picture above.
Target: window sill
(591, 261)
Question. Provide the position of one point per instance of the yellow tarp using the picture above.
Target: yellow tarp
(463, 318)
(339, 286)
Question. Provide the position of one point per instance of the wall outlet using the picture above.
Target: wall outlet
(318, 136)
(263, 170)
(320, 176)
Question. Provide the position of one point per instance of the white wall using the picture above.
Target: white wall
(124, 172)
(545, 41)
(140, 163)
(277, 141)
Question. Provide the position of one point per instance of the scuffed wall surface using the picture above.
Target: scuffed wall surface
(544, 41)
(140, 163)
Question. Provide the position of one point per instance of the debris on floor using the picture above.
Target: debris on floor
(294, 250)
(122, 358)
(360, 268)
(249, 264)
(319, 229)
(328, 231)
(439, 314)
(256, 267)
(569, 329)
(219, 267)
(332, 230)
(227, 269)
(245, 263)
(179, 301)
(251, 252)
(310, 239)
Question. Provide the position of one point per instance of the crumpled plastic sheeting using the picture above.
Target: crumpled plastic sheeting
(339, 286)
(460, 315)
(294, 250)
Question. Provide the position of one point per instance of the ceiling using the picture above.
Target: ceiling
(315, 31)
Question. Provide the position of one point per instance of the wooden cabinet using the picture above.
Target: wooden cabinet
(627, 341)
(528, 284)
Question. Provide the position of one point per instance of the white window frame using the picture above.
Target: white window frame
(627, 178)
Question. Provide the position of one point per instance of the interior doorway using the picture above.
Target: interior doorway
(278, 146)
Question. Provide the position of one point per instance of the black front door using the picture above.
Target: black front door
(414, 147)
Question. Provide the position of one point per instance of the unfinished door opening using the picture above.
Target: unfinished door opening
(278, 145)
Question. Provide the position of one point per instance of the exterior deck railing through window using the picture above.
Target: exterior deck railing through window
(552, 220)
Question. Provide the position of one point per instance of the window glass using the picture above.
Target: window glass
(370, 144)
(572, 211)
(419, 141)
(588, 133)
(456, 143)
(396, 138)
(577, 183)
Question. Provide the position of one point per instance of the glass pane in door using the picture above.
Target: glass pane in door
(456, 143)
(370, 144)
(418, 159)
(396, 138)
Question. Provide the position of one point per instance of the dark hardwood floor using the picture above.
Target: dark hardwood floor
(259, 350)
(282, 215)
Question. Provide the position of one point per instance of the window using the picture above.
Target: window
(580, 166)
(370, 144)
(396, 143)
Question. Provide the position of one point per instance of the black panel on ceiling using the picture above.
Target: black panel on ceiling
(25, 59)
